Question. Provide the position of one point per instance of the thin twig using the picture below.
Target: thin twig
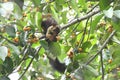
(80, 19)
(8, 40)
(89, 29)
(30, 63)
(42, 37)
(93, 8)
(23, 51)
(103, 46)
(83, 36)
(101, 60)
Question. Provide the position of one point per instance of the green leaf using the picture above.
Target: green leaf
(64, 17)
(2, 19)
(117, 13)
(108, 13)
(86, 45)
(94, 49)
(8, 65)
(115, 39)
(1, 68)
(78, 74)
(104, 4)
(15, 49)
(19, 3)
(97, 78)
(30, 18)
(73, 4)
(3, 52)
(17, 11)
(41, 52)
(80, 26)
(6, 9)
(10, 31)
(64, 48)
(80, 56)
(114, 50)
(1, 61)
(54, 48)
(4, 78)
(95, 22)
(22, 38)
(83, 4)
(89, 71)
(115, 20)
(59, 4)
(116, 23)
(36, 2)
(54, 13)
(38, 19)
(44, 44)
(60, 1)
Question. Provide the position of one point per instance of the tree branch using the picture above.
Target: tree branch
(101, 59)
(30, 62)
(80, 19)
(103, 46)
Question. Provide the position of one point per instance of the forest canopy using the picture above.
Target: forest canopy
(59, 39)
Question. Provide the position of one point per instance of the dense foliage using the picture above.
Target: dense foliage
(88, 42)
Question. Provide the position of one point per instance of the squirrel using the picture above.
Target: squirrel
(51, 31)
(50, 27)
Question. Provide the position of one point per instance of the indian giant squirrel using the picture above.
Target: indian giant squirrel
(51, 30)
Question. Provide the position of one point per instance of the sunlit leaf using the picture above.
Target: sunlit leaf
(2, 19)
(15, 49)
(108, 13)
(1, 61)
(6, 9)
(10, 30)
(54, 13)
(19, 3)
(95, 22)
(44, 44)
(104, 4)
(55, 48)
(17, 12)
(3, 52)
(77, 74)
(83, 4)
(36, 2)
(89, 71)
(117, 13)
(74, 6)
(38, 19)
(63, 77)
(86, 45)
(80, 56)
(94, 71)
(116, 23)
